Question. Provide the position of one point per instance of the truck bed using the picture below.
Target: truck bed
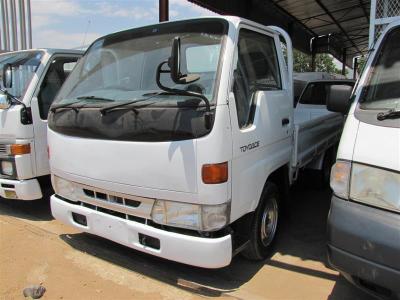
(315, 131)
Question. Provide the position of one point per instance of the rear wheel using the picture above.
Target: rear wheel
(264, 224)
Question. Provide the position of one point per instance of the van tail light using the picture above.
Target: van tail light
(215, 173)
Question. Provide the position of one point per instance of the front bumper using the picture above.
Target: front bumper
(196, 251)
(364, 245)
(20, 189)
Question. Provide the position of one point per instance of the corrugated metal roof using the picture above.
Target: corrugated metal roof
(344, 24)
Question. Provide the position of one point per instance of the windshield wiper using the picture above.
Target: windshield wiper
(81, 99)
(95, 98)
(390, 114)
(107, 109)
(12, 97)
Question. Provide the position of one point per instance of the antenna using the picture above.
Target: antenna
(84, 37)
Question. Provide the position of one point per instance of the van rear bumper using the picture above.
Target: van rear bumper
(20, 189)
(191, 250)
(364, 245)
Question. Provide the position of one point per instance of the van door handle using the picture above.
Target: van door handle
(285, 121)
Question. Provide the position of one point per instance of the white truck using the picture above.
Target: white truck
(186, 154)
(364, 219)
(29, 81)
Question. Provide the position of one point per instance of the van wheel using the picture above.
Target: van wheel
(327, 164)
(264, 224)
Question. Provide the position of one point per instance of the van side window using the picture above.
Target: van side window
(58, 71)
(256, 69)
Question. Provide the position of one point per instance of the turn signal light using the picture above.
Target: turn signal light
(19, 149)
(215, 173)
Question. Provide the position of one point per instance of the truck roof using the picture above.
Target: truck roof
(49, 50)
(232, 19)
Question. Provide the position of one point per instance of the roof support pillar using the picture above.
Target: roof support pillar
(163, 8)
(355, 67)
(344, 57)
(313, 53)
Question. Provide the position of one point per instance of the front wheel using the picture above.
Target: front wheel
(264, 224)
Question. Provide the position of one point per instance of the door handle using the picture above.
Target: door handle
(285, 121)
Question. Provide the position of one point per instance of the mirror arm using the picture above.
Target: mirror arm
(26, 115)
(207, 115)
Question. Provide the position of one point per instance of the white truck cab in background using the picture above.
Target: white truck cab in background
(315, 93)
(186, 154)
(29, 81)
(364, 219)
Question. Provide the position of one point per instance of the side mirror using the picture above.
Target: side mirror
(7, 76)
(338, 98)
(174, 63)
(4, 102)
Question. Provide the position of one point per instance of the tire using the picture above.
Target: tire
(327, 164)
(264, 225)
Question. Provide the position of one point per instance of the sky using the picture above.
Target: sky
(74, 23)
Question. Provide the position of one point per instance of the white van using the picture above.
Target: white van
(364, 219)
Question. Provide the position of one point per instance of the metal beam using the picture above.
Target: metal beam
(163, 10)
(333, 12)
(355, 67)
(344, 58)
(22, 24)
(14, 26)
(364, 10)
(29, 20)
(5, 25)
(324, 8)
(343, 21)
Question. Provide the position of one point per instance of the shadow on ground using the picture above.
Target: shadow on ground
(302, 234)
(37, 210)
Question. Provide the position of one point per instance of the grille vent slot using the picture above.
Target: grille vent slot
(111, 198)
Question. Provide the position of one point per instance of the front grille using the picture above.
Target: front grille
(3, 149)
(111, 198)
(107, 211)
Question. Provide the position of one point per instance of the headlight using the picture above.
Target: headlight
(340, 178)
(191, 216)
(7, 168)
(375, 187)
(63, 187)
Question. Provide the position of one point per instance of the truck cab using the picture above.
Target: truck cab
(29, 81)
(364, 218)
(179, 139)
(315, 93)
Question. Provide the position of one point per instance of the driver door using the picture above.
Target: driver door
(58, 69)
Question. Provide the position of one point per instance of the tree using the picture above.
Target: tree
(323, 63)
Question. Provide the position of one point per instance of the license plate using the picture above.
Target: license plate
(10, 194)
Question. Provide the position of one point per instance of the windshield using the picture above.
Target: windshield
(383, 88)
(24, 66)
(122, 66)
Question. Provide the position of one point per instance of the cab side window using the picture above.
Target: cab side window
(58, 71)
(315, 94)
(256, 69)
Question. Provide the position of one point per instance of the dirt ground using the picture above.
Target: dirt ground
(36, 249)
